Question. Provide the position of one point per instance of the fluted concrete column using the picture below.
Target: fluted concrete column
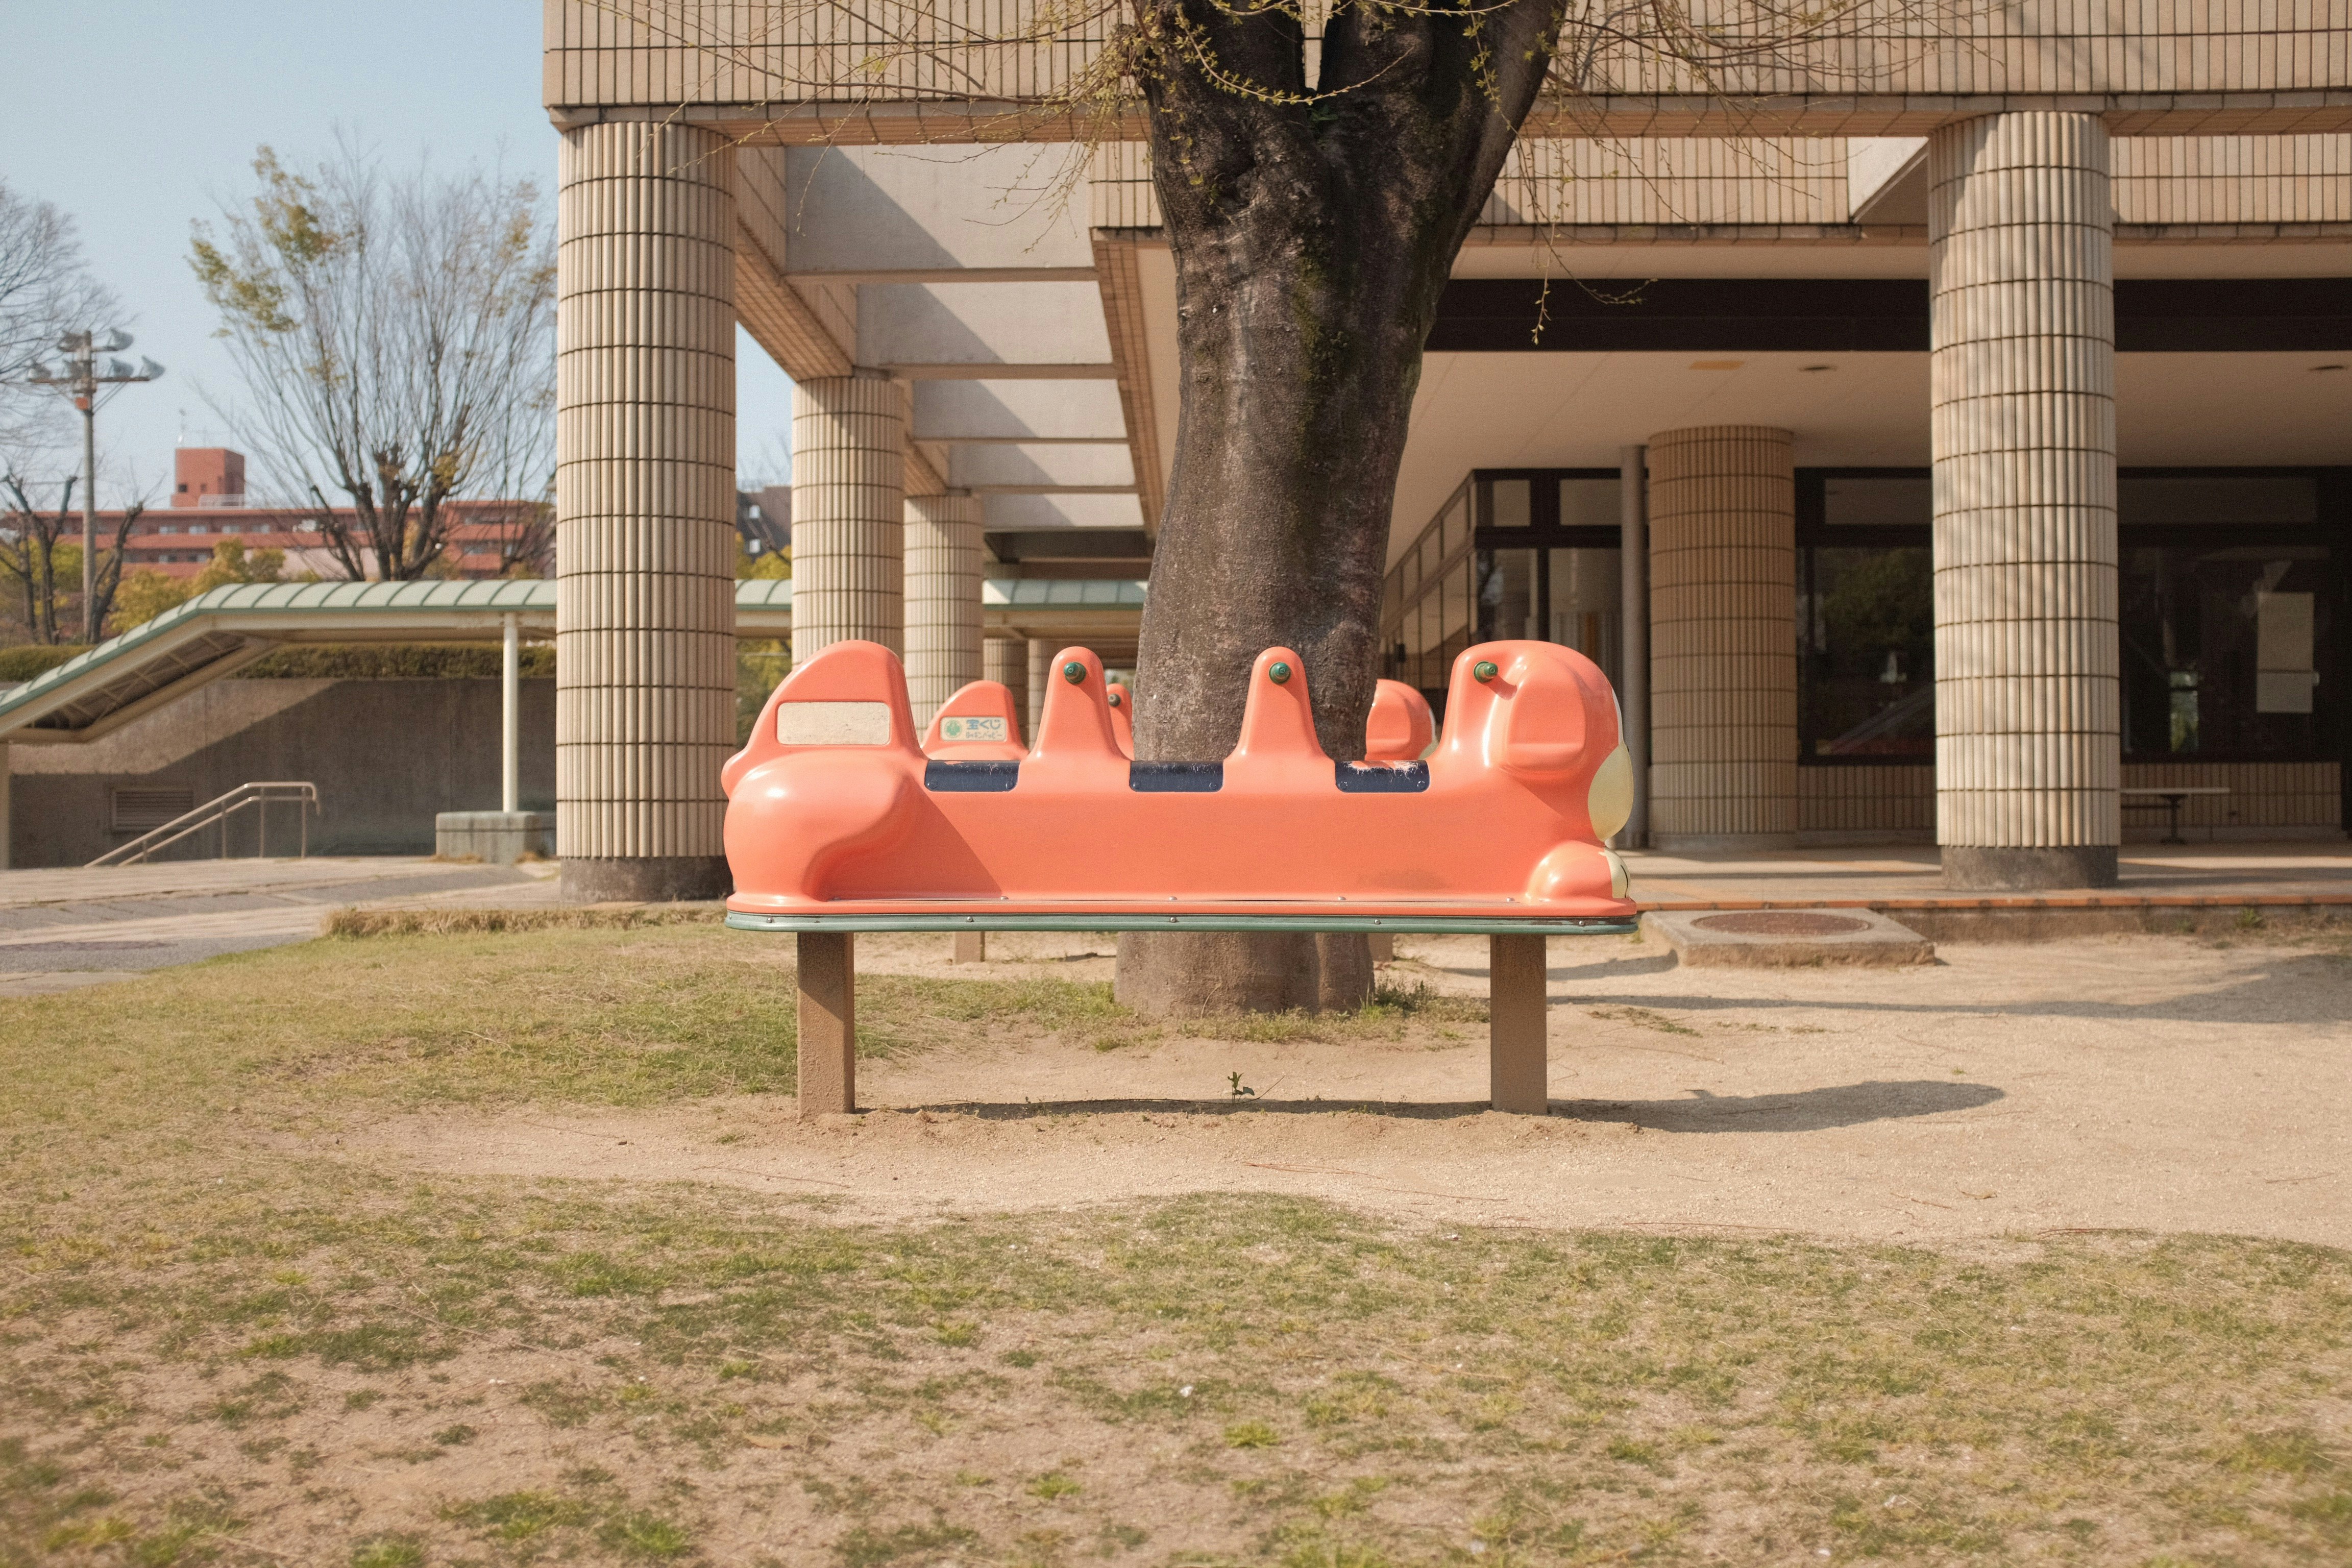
(1723, 639)
(2028, 751)
(1005, 660)
(849, 465)
(942, 599)
(645, 506)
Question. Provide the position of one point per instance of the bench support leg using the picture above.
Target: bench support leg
(1383, 946)
(1518, 1056)
(828, 1022)
(971, 947)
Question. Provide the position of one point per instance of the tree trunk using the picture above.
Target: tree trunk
(1313, 231)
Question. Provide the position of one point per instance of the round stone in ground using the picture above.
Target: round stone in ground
(1781, 922)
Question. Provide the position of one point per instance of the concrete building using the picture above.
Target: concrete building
(763, 519)
(386, 755)
(209, 503)
(371, 694)
(1951, 443)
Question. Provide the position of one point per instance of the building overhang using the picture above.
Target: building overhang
(1602, 116)
(219, 633)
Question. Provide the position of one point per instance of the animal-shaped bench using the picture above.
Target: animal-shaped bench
(841, 819)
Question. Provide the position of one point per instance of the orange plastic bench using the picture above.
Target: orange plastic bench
(839, 820)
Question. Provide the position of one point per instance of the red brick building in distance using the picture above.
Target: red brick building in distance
(209, 503)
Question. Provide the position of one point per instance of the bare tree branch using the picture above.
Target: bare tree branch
(396, 340)
(28, 545)
(40, 555)
(46, 289)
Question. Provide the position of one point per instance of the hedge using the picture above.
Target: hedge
(396, 661)
(34, 660)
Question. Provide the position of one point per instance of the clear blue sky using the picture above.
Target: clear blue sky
(139, 116)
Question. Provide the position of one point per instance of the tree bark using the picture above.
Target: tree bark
(1313, 228)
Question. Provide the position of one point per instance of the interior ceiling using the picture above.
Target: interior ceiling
(1576, 411)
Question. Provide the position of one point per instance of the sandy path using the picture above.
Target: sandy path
(2130, 1082)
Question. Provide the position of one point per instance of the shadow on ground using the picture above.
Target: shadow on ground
(1806, 1111)
(2291, 986)
(1606, 969)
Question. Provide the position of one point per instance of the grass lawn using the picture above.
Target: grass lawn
(228, 1340)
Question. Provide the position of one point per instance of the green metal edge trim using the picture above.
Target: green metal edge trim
(1406, 925)
(228, 600)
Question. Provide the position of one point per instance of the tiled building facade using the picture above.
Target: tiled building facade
(1975, 411)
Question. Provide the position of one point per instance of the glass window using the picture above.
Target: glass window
(1455, 526)
(1898, 501)
(1866, 643)
(1507, 608)
(1433, 550)
(1421, 639)
(2156, 499)
(1457, 593)
(1510, 504)
(2227, 651)
(1588, 601)
(1591, 503)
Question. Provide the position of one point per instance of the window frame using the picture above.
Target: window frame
(2331, 529)
(1544, 531)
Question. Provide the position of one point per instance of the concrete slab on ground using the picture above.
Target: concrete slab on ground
(136, 918)
(2163, 889)
(215, 879)
(104, 924)
(494, 837)
(1779, 938)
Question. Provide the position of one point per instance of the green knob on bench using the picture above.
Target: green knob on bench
(1074, 672)
(1484, 670)
(1279, 671)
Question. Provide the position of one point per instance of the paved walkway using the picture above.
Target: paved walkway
(71, 927)
(2300, 873)
(67, 927)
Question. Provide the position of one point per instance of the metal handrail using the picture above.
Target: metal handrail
(258, 795)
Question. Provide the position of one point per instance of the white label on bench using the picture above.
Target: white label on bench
(972, 729)
(833, 723)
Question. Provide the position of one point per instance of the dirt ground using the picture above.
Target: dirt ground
(2163, 1084)
(497, 1248)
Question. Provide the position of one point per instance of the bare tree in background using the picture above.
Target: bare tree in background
(40, 556)
(524, 533)
(46, 289)
(396, 339)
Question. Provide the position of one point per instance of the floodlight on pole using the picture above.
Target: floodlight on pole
(88, 382)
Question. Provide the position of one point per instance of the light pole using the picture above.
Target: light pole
(81, 380)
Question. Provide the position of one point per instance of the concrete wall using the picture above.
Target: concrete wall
(385, 754)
